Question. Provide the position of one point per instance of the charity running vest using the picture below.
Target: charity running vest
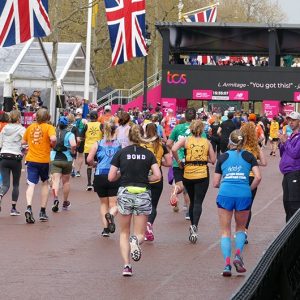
(93, 134)
(196, 158)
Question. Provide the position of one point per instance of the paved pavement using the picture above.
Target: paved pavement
(67, 258)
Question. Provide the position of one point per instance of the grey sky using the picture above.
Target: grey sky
(291, 9)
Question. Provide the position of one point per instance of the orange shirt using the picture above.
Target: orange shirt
(37, 137)
(104, 118)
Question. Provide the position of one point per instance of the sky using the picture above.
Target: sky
(291, 8)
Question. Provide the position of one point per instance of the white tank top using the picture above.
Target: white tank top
(122, 136)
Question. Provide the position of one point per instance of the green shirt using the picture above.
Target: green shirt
(180, 131)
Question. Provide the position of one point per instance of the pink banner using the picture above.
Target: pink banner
(239, 95)
(202, 94)
(271, 108)
(297, 96)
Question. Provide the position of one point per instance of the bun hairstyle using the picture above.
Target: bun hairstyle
(197, 128)
(236, 140)
(109, 129)
(135, 134)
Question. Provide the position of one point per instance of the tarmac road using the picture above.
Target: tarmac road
(67, 258)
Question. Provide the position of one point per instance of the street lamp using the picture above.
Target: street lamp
(148, 44)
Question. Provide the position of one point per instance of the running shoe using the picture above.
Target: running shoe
(66, 205)
(77, 174)
(89, 188)
(55, 205)
(187, 215)
(193, 234)
(149, 236)
(239, 264)
(227, 271)
(127, 271)
(29, 216)
(110, 221)
(14, 212)
(73, 174)
(135, 250)
(43, 216)
(105, 232)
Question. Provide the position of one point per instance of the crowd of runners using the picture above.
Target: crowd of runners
(124, 154)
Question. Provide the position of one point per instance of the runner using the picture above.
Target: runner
(80, 125)
(224, 131)
(163, 158)
(134, 196)
(169, 122)
(92, 134)
(61, 162)
(180, 131)
(11, 158)
(199, 152)
(104, 150)
(232, 173)
(40, 137)
(274, 132)
(251, 144)
(123, 130)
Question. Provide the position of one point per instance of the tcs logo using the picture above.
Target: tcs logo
(176, 78)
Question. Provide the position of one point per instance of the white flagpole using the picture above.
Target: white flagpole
(88, 52)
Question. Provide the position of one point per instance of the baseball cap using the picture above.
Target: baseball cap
(252, 117)
(294, 115)
(107, 107)
(63, 121)
(78, 111)
(93, 115)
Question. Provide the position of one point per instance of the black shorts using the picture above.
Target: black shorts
(105, 188)
(178, 174)
(80, 148)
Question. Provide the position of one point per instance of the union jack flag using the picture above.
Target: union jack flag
(20, 20)
(208, 15)
(126, 24)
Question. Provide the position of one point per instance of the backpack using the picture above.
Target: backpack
(60, 140)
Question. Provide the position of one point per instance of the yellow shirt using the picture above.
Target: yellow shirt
(93, 134)
(274, 128)
(37, 137)
(196, 158)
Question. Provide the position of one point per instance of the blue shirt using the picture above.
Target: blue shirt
(105, 152)
(235, 167)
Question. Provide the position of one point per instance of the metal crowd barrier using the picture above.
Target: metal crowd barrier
(277, 275)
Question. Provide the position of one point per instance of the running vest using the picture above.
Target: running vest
(170, 124)
(196, 158)
(235, 176)
(93, 134)
(158, 154)
(123, 135)
(105, 152)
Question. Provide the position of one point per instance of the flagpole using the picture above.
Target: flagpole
(180, 8)
(200, 9)
(88, 52)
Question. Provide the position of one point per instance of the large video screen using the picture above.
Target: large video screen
(234, 83)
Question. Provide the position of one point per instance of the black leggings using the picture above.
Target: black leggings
(196, 189)
(156, 190)
(253, 192)
(7, 166)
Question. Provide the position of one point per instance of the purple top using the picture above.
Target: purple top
(290, 154)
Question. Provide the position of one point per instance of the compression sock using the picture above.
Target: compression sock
(226, 249)
(240, 238)
(89, 175)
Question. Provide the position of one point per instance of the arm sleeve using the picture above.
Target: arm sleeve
(249, 157)
(220, 161)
